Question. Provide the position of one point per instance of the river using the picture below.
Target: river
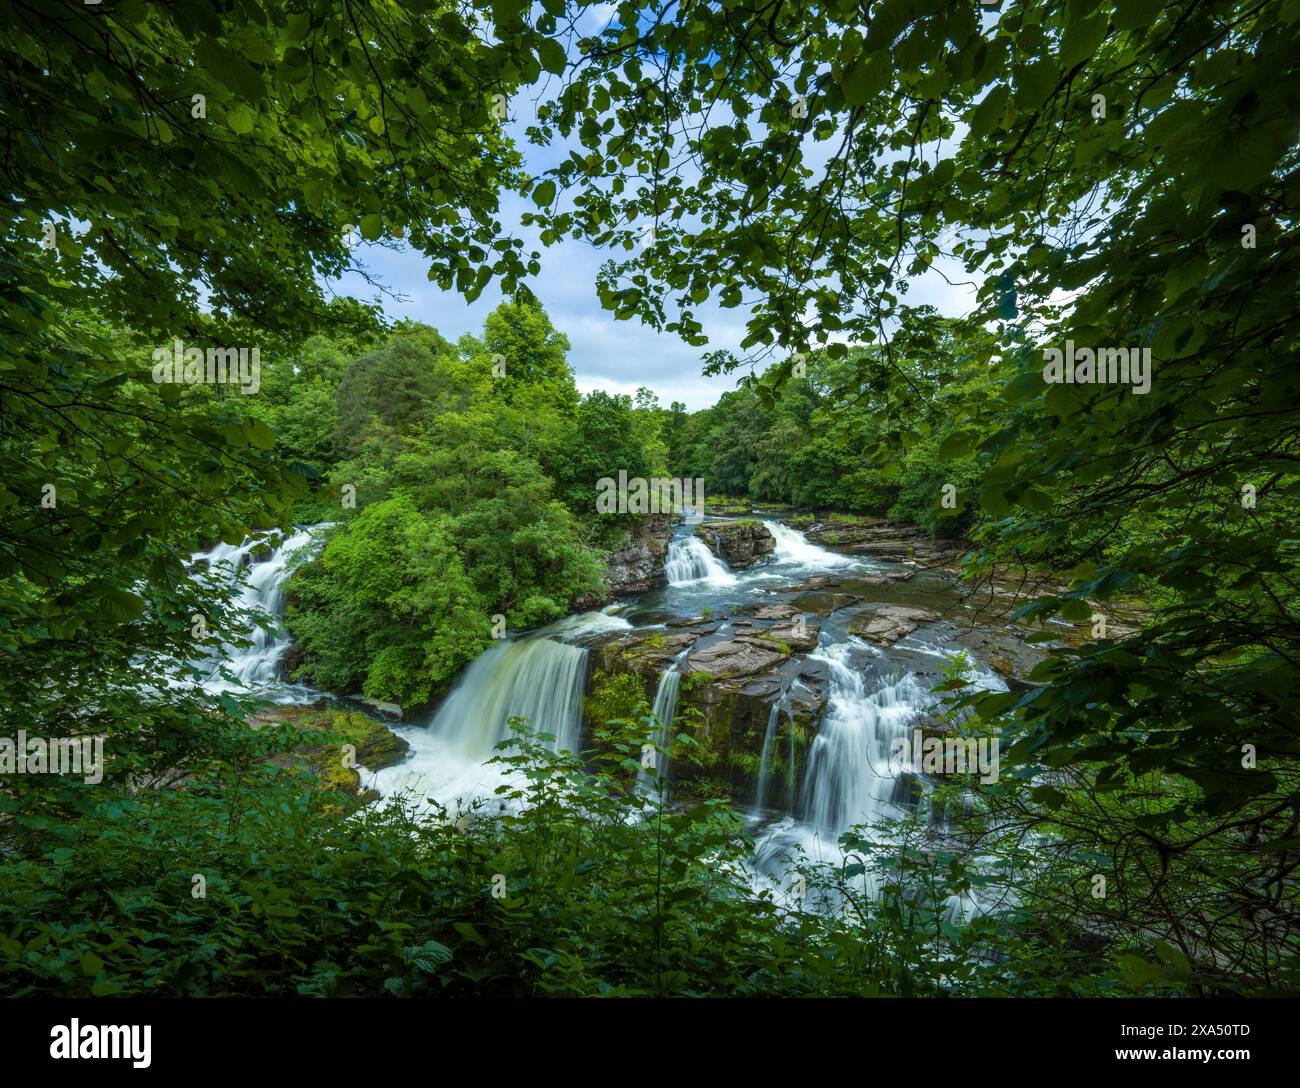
(874, 696)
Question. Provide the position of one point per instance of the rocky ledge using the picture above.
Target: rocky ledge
(637, 565)
(324, 757)
(732, 680)
(880, 538)
(886, 625)
(738, 543)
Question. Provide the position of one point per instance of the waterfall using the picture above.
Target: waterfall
(664, 708)
(765, 758)
(848, 779)
(255, 667)
(793, 547)
(534, 678)
(689, 560)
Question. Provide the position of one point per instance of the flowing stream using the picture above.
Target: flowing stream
(690, 561)
(875, 695)
(259, 587)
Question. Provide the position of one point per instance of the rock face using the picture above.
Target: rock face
(322, 757)
(637, 565)
(1005, 652)
(888, 624)
(727, 695)
(740, 656)
(738, 543)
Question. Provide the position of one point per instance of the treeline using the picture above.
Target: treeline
(834, 433)
(460, 483)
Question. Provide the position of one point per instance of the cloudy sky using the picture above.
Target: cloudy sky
(618, 356)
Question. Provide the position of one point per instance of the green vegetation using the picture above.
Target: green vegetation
(833, 440)
(1108, 174)
(458, 515)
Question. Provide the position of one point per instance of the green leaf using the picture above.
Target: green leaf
(551, 54)
(544, 194)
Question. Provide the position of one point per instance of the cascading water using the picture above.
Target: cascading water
(536, 678)
(848, 778)
(255, 668)
(533, 678)
(794, 548)
(690, 561)
(664, 708)
(765, 757)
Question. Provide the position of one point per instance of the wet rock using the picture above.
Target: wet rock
(817, 581)
(700, 624)
(729, 718)
(888, 541)
(725, 703)
(775, 612)
(738, 543)
(743, 655)
(637, 565)
(823, 604)
(886, 625)
(799, 634)
(1004, 652)
(292, 659)
(785, 625)
(645, 653)
(325, 759)
(388, 710)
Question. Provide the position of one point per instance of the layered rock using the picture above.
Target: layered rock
(728, 689)
(888, 541)
(324, 757)
(886, 625)
(738, 543)
(637, 565)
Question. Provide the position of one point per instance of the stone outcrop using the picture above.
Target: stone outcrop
(888, 541)
(728, 689)
(322, 757)
(637, 565)
(1005, 652)
(738, 543)
(886, 625)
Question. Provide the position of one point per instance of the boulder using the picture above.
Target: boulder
(725, 703)
(743, 655)
(886, 625)
(322, 758)
(823, 604)
(637, 565)
(888, 541)
(738, 543)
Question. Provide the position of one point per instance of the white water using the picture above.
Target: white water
(664, 708)
(689, 561)
(536, 678)
(795, 548)
(765, 757)
(583, 625)
(255, 668)
(848, 778)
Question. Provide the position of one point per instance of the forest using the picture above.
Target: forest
(390, 704)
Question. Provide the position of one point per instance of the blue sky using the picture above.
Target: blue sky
(617, 356)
